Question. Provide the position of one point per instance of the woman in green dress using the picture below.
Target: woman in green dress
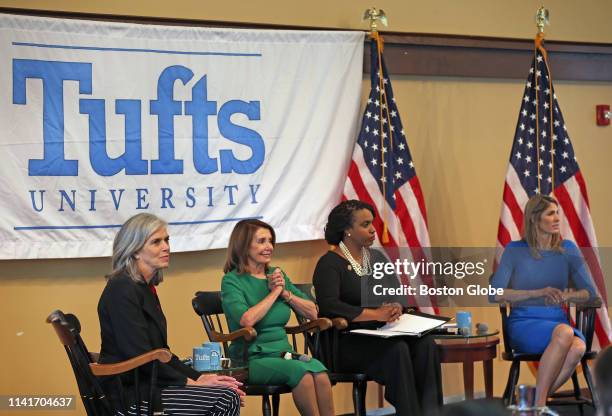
(261, 296)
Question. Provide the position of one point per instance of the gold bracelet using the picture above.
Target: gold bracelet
(289, 298)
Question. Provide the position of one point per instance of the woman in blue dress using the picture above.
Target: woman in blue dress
(535, 273)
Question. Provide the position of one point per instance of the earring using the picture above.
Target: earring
(348, 234)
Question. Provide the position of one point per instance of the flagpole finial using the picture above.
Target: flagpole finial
(373, 15)
(542, 19)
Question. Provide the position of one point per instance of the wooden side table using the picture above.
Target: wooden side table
(467, 350)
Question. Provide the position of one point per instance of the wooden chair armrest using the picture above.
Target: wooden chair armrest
(591, 303)
(321, 323)
(248, 333)
(161, 354)
(340, 323)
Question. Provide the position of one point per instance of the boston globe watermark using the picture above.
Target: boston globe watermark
(458, 276)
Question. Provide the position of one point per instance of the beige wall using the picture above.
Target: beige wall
(573, 20)
(460, 132)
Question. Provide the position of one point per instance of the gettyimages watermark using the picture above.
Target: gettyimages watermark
(462, 276)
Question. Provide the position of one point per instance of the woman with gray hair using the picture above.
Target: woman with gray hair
(132, 322)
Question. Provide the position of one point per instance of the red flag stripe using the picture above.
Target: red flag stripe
(406, 222)
(580, 236)
(582, 209)
(411, 194)
(503, 236)
(602, 335)
(415, 185)
(507, 220)
(513, 207)
(582, 185)
(518, 191)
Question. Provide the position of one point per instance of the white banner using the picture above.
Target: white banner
(203, 127)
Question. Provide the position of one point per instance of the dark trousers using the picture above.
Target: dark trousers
(409, 368)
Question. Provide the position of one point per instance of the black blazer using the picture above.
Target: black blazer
(132, 323)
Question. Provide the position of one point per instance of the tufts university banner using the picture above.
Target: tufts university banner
(203, 127)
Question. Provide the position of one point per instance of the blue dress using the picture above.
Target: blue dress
(531, 322)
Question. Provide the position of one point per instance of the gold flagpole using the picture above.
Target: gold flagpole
(374, 15)
(542, 19)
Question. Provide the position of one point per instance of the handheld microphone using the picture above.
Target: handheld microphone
(288, 355)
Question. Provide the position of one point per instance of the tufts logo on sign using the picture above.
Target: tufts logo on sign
(53, 74)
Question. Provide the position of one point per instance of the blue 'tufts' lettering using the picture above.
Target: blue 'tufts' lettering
(52, 74)
(165, 107)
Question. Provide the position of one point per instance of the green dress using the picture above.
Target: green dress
(239, 293)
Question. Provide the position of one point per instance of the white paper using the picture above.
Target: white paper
(407, 324)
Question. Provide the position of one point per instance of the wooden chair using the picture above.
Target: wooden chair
(329, 356)
(207, 305)
(585, 322)
(87, 371)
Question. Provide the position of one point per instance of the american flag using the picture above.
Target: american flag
(542, 160)
(382, 173)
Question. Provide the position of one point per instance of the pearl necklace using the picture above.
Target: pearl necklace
(360, 269)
